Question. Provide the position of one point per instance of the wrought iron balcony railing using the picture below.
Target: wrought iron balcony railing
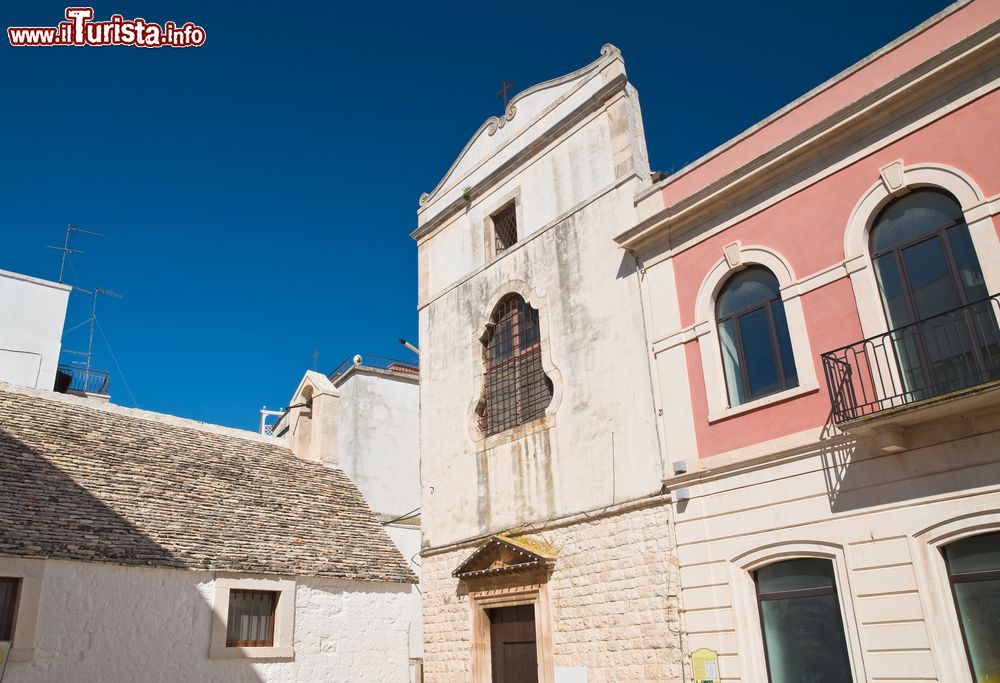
(378, 363)
(954, 351)
(81, 380)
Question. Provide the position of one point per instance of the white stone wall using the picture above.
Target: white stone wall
(407, 539)
(100, 623)
(613, 591)
(877, 516)
(599, 444)
(378, 437)
(33, 312)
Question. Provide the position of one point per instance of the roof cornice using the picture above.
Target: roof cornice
(788, 157)
(803, 99)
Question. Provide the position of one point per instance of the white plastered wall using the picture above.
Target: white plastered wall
(32, 312)
(378, 438)
(98, 623)
(598, 442)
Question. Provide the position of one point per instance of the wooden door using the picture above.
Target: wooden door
(512, 644)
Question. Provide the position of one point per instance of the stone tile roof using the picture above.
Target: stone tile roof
(106, 484)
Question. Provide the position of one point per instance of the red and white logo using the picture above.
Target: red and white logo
(80, 29)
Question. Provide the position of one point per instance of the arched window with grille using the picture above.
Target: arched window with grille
(753, 332)
(515, 388)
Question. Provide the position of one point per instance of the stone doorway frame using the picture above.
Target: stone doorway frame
(510, 591)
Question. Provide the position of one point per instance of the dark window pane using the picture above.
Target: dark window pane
(893, 295)
(784, 345)
(804, 639)
(746, 288)
(974, 554)
(529, 327)
(251, 618)
(755, 338)
(8, 607)
(978, 604)
(795, 575)
(970, 274)
(912, 215)
(931, 282)
(800, 617)
(758, 353)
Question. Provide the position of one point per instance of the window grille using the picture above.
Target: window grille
(8, 607)
(505, 228)
(251, 618)
(516, 389)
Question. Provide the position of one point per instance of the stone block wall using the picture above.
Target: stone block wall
(614, 600)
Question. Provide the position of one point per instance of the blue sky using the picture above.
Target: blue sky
(256, 194)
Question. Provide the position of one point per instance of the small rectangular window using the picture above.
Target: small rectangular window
(505, 228)
(251, 618)
(8, 607)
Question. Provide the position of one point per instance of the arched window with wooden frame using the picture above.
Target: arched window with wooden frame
(753, 332)
(942, 321)
(515, 388)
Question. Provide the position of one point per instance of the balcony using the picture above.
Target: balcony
(918, 371)
(380, 363)
(71, 379)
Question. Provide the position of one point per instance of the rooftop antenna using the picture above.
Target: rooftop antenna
(89, 354)
(67, 250)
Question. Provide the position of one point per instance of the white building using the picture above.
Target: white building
(32, 313)
(547, 545)
(142, 547)
(363, 419)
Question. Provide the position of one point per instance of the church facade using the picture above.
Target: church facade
(736, 423)
(537, 414)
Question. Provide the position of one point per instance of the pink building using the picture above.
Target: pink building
(734, 424)
(826, 285)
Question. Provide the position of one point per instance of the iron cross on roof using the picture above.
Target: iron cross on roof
(506, 85)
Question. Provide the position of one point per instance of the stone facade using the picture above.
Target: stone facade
(615, 575)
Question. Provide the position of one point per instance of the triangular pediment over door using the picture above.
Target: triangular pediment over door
(503, 554)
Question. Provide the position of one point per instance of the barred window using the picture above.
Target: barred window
(516, 389)
(251, 618)
(504, 228)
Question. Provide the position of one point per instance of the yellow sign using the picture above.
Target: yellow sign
(4, 654)
(705, 665)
